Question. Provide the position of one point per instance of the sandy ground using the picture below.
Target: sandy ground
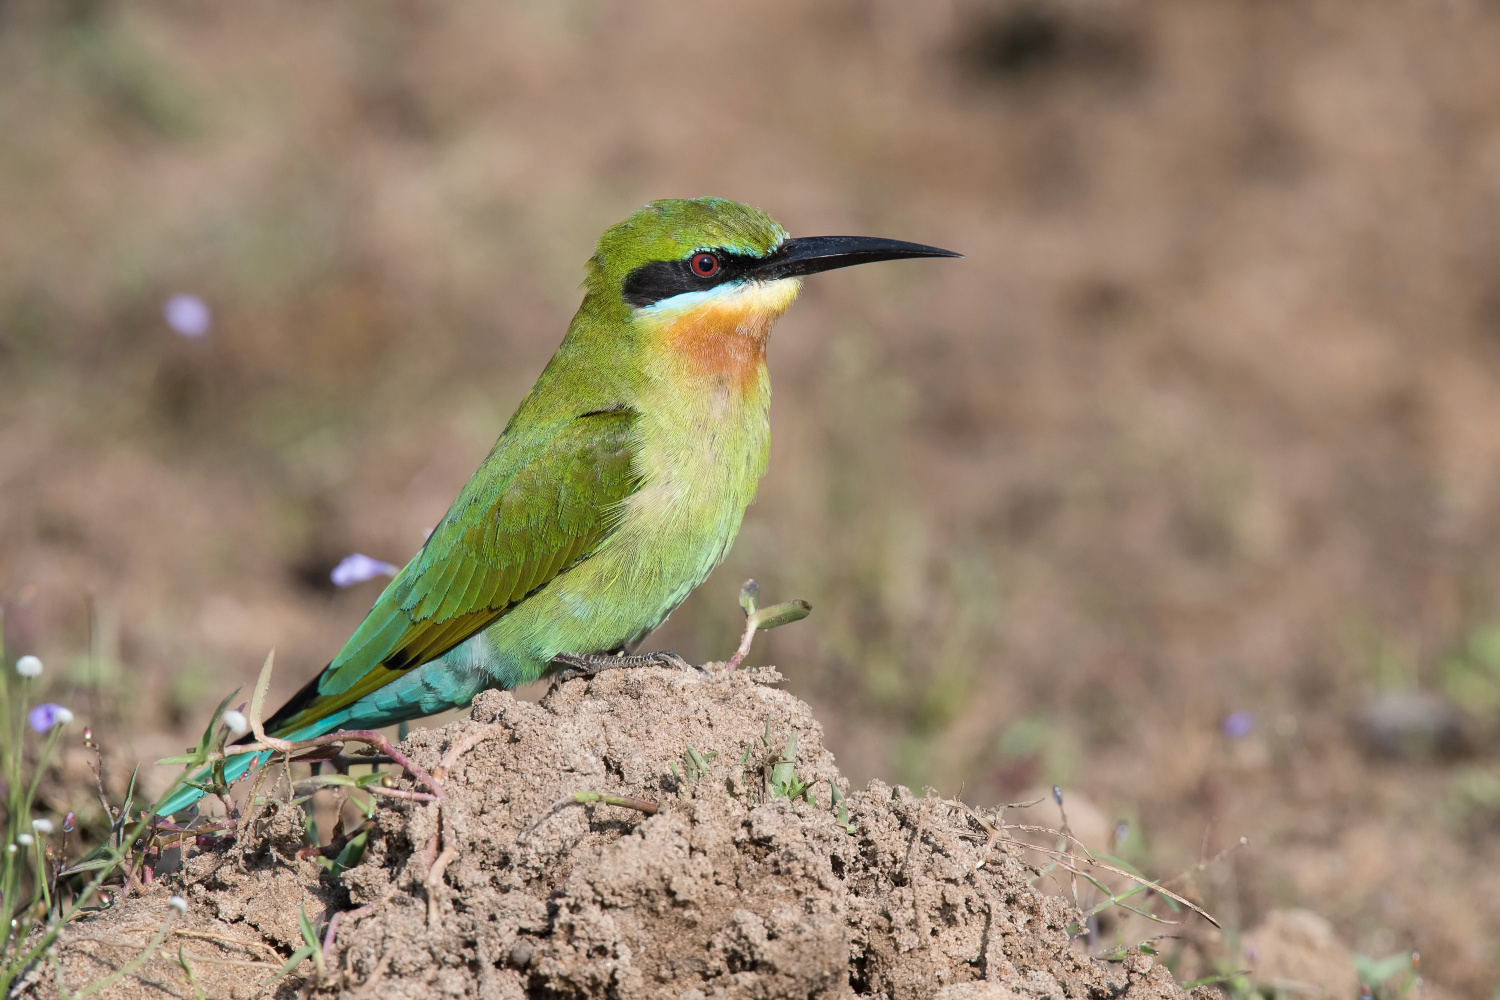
(1204, 423)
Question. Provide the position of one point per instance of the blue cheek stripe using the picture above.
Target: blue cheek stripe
(692, 300)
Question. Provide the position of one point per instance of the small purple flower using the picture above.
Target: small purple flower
(45, 716)
(359, 568)
(1238, 725)
(187, 314)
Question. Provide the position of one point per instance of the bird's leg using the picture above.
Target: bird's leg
(589, 664)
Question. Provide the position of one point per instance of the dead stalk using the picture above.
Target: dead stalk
(1067, 860)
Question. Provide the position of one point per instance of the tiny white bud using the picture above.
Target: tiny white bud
(29, 666)
(10, 849)
(62, 715)
(24, 839)
(178, 903)
(237, 723)
(42, 826)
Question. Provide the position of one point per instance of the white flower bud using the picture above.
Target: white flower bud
(29, 666)
(178, 903)
(24, 839)
(42, 826)
(10, 848)
(62, 715)
(237, 723)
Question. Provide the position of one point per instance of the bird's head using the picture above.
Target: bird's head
(681, 255)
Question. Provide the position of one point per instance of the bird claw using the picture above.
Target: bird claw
(667, 658)
(591, 664)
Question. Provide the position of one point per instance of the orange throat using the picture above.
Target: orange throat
(722, 338)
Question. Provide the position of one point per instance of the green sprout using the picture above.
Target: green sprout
(757, 618)
(695, 768)
(785, 784)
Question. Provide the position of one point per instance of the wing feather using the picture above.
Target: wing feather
(535, 508)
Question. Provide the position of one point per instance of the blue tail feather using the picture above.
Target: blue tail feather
(234, 769)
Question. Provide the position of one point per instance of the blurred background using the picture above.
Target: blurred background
(1181, 490)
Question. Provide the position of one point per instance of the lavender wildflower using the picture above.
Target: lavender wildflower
(1238, 725)
(359, 568)
(188, 315)
(29, 666)
(46, 715)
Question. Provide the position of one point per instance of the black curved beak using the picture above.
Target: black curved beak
(811, 254)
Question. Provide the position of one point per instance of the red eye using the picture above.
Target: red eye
(705, 265)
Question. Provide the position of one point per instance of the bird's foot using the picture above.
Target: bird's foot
(590, 664)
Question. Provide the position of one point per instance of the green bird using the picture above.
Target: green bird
(617, 486)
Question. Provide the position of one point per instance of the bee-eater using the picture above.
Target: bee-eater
(619, 483)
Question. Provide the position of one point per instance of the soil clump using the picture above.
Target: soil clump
(748, 880)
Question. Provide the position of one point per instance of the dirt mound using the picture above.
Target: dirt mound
(749, 881)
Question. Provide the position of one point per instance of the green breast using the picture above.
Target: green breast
(700, 453)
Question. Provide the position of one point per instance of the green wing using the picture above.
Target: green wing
(534, 508)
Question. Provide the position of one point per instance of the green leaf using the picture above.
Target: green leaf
(778, 615)
(841, 809)
(192, 978)
(785, 783)
(1375, 971)
(304, 924)
(298, 956)
(129, 797)
(346, 780)
(206, 740)
(750, 597)
(195, 758)
(89, 866)
(310, 936)
(694, 764)
(352, 854)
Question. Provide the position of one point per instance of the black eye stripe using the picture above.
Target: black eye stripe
(662, 279)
